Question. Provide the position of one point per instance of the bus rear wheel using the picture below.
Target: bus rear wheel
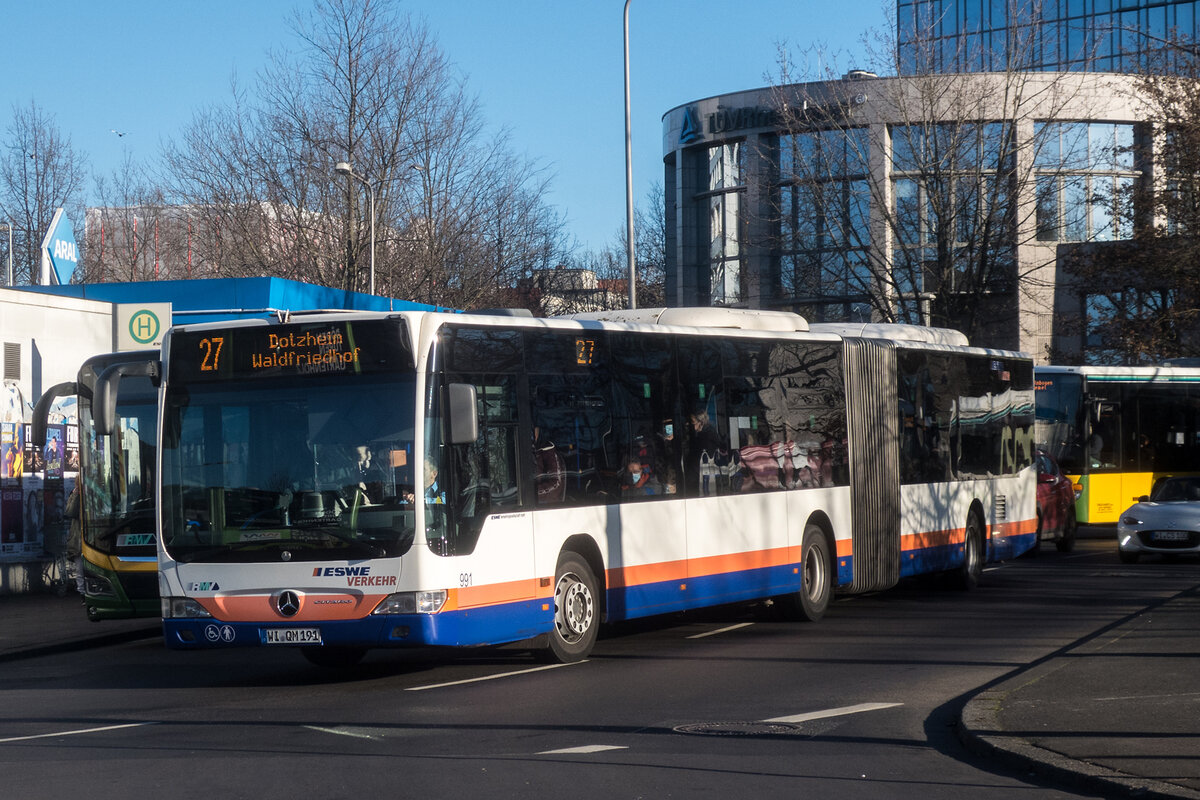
(971, 571)
(811, 601)
(576, 616)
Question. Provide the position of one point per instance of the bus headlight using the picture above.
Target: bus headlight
(412, 603)
(95, 586)
(183, 608)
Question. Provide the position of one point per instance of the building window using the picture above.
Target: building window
(726, 224)
(950, 192)
(823, 211)
(1085, 182)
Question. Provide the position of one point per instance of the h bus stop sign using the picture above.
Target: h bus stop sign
(138, 326)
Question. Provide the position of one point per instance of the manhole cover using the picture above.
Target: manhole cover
(737, 729)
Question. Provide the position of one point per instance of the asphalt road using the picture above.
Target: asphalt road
(726, 703)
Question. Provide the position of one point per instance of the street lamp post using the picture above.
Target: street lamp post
(629, 174)
(344, 168)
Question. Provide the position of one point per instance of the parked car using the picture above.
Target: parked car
(1167, 522)
(1056, 496)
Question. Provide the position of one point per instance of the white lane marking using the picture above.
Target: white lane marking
(490, 677)
(721, 630)
(76, 732)
(340, 732)
(834, 712)
(587, 748)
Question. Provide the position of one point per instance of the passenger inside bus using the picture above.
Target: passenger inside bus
(637, 479)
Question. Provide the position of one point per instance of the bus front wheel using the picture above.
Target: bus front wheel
(576, 616)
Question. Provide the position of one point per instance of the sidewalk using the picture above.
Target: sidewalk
(41, 624)
(1118, 714)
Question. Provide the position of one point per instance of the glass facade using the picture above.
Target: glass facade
(726, 222)
(950, 210)
(824, 237)
(1052, 35)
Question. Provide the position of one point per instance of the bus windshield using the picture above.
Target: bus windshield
(1060, 418)
(289, 468)
(118, 470)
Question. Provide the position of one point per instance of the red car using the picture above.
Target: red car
(1055, 503)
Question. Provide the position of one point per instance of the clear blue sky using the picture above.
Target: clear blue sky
(549, 70)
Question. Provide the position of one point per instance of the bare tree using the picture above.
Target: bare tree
(937, 242)
(457, 217)
(39, 172)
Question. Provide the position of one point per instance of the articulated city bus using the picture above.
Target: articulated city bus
(116, 484)
(350, 481)
(1115, 431)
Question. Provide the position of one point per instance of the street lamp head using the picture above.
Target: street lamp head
(343, 167)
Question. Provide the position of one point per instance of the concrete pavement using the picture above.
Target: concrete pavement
(1117, 714)
(40, 624)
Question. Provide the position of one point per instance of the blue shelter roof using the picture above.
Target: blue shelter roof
(232, 298)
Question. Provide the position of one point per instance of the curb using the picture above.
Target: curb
(979, 730)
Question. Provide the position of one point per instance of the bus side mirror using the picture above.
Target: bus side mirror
(104, 402)
(464, 425)
(41, 411)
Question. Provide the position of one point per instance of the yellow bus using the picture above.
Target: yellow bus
(1115, 431)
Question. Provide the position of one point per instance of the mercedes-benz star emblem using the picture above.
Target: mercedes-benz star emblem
(288, 604)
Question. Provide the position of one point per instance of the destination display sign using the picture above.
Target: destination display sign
(342, 347)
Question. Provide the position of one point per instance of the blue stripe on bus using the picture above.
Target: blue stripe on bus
(463, 627)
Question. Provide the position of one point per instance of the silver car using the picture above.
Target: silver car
(1166, 523)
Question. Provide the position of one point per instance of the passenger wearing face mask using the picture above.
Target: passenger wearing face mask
(637, 480)
(666, 454)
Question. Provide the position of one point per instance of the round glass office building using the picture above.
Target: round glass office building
(949, 199)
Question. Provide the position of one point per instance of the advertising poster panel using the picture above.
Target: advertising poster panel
(33, 453)
(33, 507)
(53, 454)
(12, 527)
(12, 446)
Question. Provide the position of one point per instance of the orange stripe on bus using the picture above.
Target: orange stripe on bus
(497, 593)
(926, 539)
(625, 577)
(1015, 528)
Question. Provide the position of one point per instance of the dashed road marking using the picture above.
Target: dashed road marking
(490, 677)
(585, 749)
(834, 712)
(721, 630)
(75, 732)
(341, 732)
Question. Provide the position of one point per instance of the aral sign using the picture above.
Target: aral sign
(60, 254)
